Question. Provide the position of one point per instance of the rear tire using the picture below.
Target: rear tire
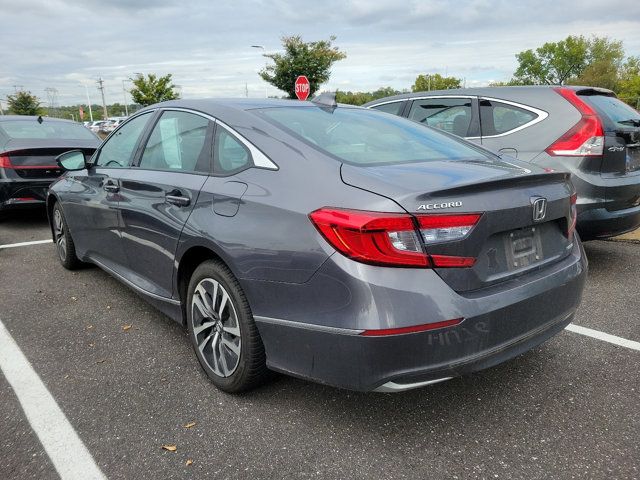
(64, 243)
(222, 331)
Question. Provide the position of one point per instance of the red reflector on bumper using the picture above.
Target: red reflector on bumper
(413, 329)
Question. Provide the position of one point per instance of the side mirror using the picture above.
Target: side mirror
(72, 160)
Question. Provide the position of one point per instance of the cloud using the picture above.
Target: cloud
(207, 45)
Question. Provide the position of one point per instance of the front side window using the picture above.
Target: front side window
(230, 154)
(362, 137)
(498, 118)
(394, 107)
(118, 150)
(179, 142)
(453, 115)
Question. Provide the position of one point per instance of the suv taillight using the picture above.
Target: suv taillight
(393, 239)
(585, 138)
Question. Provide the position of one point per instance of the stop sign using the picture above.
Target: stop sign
(302, 87)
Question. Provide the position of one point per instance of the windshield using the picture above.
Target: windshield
(618, 112)
(46, 130)
(366, 137)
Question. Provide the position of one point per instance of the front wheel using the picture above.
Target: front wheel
(222, 330)
(64, 243)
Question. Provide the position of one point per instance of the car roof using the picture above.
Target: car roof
(484, 91)
(212, 105)
(9, 118)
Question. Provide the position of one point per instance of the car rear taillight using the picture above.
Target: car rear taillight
(574, 216)
(585, 138)
(5, 162)
(393, 239)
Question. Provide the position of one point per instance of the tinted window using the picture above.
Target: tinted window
(118, 150)
(364, 137)
(498, 117)
(230, 154)
(614, 110)
(178, 142)
(394, 107)
(46, 129)
(452, 115)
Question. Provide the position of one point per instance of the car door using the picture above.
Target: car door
(159, 192)
(453, 114)
(503, 127)
(92, 200)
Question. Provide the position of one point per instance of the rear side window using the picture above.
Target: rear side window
(394, 107)
(616, 114)
(179, 142)
(497, 118)
(47, 130)
(362, 137)
(452, 115)
(230, 154)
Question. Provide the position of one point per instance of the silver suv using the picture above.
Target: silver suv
(583, 130)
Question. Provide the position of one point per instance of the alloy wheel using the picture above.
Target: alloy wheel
(215, 327)
(59, 234)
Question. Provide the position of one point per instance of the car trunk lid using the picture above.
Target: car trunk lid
(506, 242)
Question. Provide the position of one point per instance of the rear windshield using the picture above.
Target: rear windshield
(366, 137)
(616, 113)
(46, 130)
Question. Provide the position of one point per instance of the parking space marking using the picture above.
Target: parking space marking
(24, 244)
(68, 454)
(605, 337)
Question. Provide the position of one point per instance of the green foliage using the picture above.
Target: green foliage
(424, 83)
(360, 98)
(576, 60)
(23, 103)
(152, 89)
(629, 83)
(313, 59)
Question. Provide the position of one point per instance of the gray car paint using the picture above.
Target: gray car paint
(608, 204)
(309, 302)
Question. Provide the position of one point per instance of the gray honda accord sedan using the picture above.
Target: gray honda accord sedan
(337, 244)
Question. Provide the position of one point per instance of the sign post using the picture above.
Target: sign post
(303, 88)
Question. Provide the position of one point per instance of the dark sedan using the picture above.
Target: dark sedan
(337, 244)
(28, 147)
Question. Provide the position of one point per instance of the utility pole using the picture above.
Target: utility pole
(52, 93)
(100, 83)
(246, 90)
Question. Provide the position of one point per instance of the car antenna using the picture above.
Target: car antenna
(326, 100)
(40, 119)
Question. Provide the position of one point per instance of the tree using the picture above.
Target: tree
(23, 103)
(152, 89)
(435, 82)
(629, 83)
(313, 59)
(575, 59)
(360, 98)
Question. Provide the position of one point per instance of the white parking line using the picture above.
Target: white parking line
(605, 337)
(70, 457)
(24, 244)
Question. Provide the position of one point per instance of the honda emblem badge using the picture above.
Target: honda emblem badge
(539, 205)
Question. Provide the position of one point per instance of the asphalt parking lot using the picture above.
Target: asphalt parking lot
(126, 379)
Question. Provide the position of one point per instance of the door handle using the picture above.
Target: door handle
(176, 198)
(111, 187)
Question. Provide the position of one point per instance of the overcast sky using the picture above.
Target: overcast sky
(206, 45)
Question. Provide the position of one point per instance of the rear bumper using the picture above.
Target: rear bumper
(602, 223)
(18, 193)
(500, 323)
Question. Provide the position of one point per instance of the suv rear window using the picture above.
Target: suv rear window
(365, 137)
(616, 114)
(46, 130)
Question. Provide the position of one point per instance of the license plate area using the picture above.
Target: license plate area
(523, 248)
